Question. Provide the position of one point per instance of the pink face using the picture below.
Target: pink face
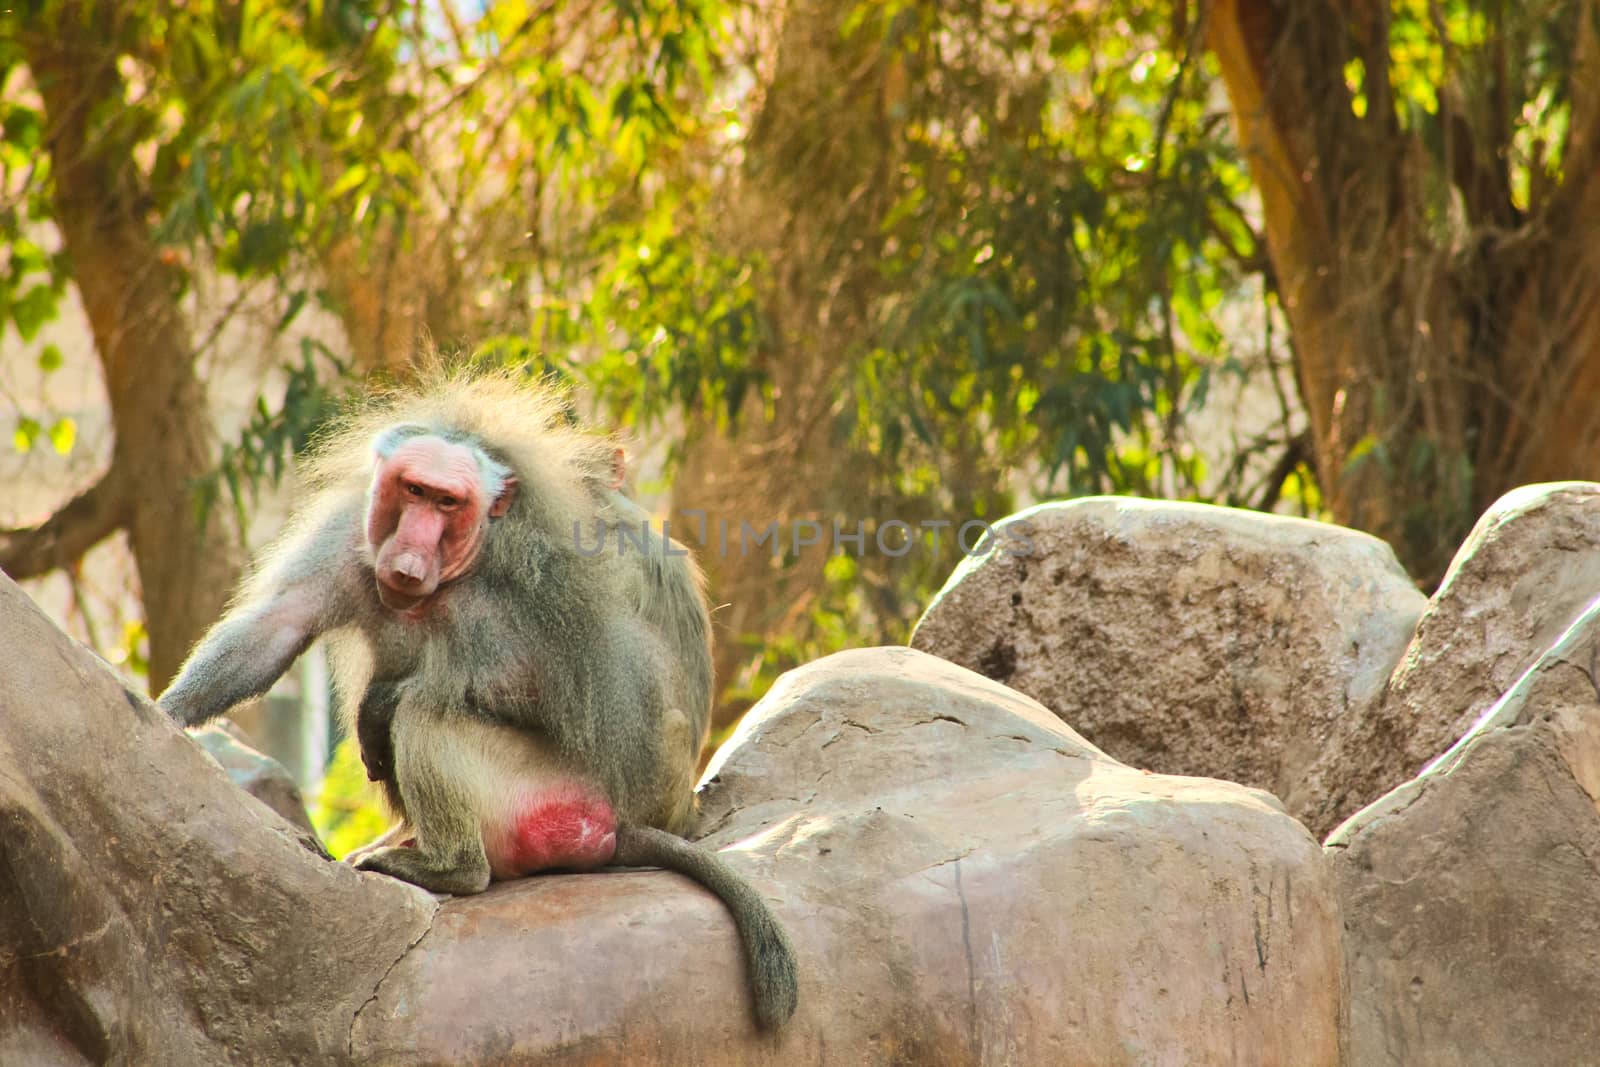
(426, 519)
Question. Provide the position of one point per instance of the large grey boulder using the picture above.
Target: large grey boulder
(1472, 892)
(1185, 638)
(1529, 568)
(968, 882)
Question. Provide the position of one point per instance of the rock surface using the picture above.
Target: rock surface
(255, 772)
(967, 882)
(1529, 568)
(1472, 893)
(1185, 638)
(967, 879)
(150, 911)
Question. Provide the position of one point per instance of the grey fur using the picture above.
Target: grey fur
(596, 668)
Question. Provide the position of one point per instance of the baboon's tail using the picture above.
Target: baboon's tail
(773, 976)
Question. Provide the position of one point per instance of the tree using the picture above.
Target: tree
(130, 298)
(289, 151)
(1427, 175)
(151, 137)
(985, 263)
(845, 262)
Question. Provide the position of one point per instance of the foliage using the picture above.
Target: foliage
(246, 123)
(556, 124)
(1425, 172)
(1041, 232)
(345, 810)
(275, 434)
(1054, 249)
(1066, 223)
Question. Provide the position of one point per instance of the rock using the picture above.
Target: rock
(966, 879)
(1528, 569)
(255, 772)
(1472, 893)
(150, 911)
(1185, 638)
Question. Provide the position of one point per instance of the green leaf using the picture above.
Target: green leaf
(27, 433)
(22, 127)
(33, 309)
(262, 247)
(26, 257)
(349, 180)
(50, 358)
(63, 433)
(297, 301)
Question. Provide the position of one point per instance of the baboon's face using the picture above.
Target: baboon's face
(428, 513)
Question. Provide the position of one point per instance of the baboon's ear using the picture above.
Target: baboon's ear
(502, 503)
(619, 467)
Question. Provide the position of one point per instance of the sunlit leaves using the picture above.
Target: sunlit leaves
(250, 171)
(1416, 59)
(26, 435)
(1497, 64)
(31, 283)
(346, 811)
(32, 308)
(1066, 232)
(1355, 79)
(21, 128)
(132, 651)
(61, 434)
(274, 434)
(677, 326)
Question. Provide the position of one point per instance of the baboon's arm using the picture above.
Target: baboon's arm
(288, 604)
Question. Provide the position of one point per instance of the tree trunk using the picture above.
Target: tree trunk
(1447, 345)
(164, 441)
(809, 202)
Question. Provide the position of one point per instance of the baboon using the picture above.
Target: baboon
(526, 704)
(667, 589)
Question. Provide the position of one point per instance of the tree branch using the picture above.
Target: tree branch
(63, 538)
(1485, 188)
(1295, 454)
(1579, 192)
